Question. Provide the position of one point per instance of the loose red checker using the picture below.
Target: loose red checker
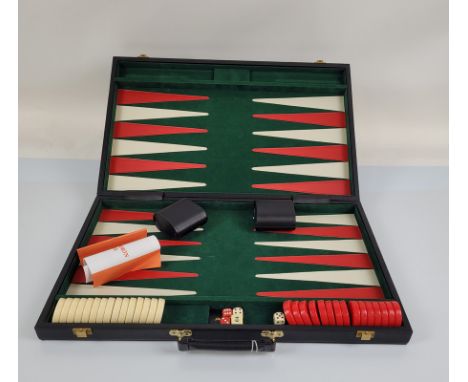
(338, 314)
(377, 314)
(313, 313)
(288, 312)
(330, 313)
(355, 313)
(297, 313)
(363, 310)
(384, 311)
(345, 313)
(304, 313)
(398, 313)
(370, 313)
(323, 312)
(391, 313)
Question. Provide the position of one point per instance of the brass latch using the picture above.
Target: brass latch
(143, 55)
(180, 333)
(82, 332)
(365, 335)
(272, 334)
(319, 62)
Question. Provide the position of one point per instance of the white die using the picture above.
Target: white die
(237, 311)
(279, 318)
(237, 320)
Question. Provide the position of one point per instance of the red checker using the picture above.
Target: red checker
(313, 313)
(304, 313)
(323, 312)
(364, 315)
(370, 313)
(288, 312)
(377, 314)
(338, 314)
(384, 312)
(297, 313)
(355, 313)
(398, 313)
(330, 313)
(345, 313)
(391, 313)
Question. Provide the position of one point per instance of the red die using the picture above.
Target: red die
(227, 312)
(225, 321)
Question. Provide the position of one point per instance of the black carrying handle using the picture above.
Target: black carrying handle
(187, 344)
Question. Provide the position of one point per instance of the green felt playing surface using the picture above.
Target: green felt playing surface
(229, 158)
(227, 265)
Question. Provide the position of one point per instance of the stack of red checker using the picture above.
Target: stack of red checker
(317, 313)
(376, 313)
(336, 313)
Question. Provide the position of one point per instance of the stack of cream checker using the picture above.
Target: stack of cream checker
(111, 310)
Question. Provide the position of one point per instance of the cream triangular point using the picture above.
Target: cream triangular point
(110, 228)
(129, 147)
(129, 113)
(316, 135)
(365, 277)
(338, 170)
(89, 290)
(125, 183)
(167, 258)
(356, 246)
(338, 219)
(333, 103)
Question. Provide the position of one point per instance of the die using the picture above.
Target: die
(226, 312)
(225, 321)
(237, 320)
(238, 311)
(279, 318)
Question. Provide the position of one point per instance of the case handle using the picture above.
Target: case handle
(186, 344)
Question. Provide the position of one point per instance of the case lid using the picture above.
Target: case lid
(224, 129)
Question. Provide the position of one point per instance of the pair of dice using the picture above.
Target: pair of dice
(233, 316)
(279, 318)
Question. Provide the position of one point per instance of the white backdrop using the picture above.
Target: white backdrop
(397, 50)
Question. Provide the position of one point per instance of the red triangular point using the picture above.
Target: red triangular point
(111, 215)
(361, 293)
(121, 165)
(129, 129)
(342, 232)
(164, 243)
(358, 260)
(332, 152)
(323, 187)
(333, 119)
(126, 97)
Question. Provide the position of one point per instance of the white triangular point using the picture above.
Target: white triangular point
(124, 183)
(315, 135)
(338, 170)
(110, 228)
(333, 103)
(129, 113)
(168, 258)
(129, 147)
(365, 277)
(356, 246)
(338, 219)
(106, 290)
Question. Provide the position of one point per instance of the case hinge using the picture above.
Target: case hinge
(365, 335)
(272, 334)
(180, 333)
(82, 332)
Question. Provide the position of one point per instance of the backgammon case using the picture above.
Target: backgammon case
(226, 134)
